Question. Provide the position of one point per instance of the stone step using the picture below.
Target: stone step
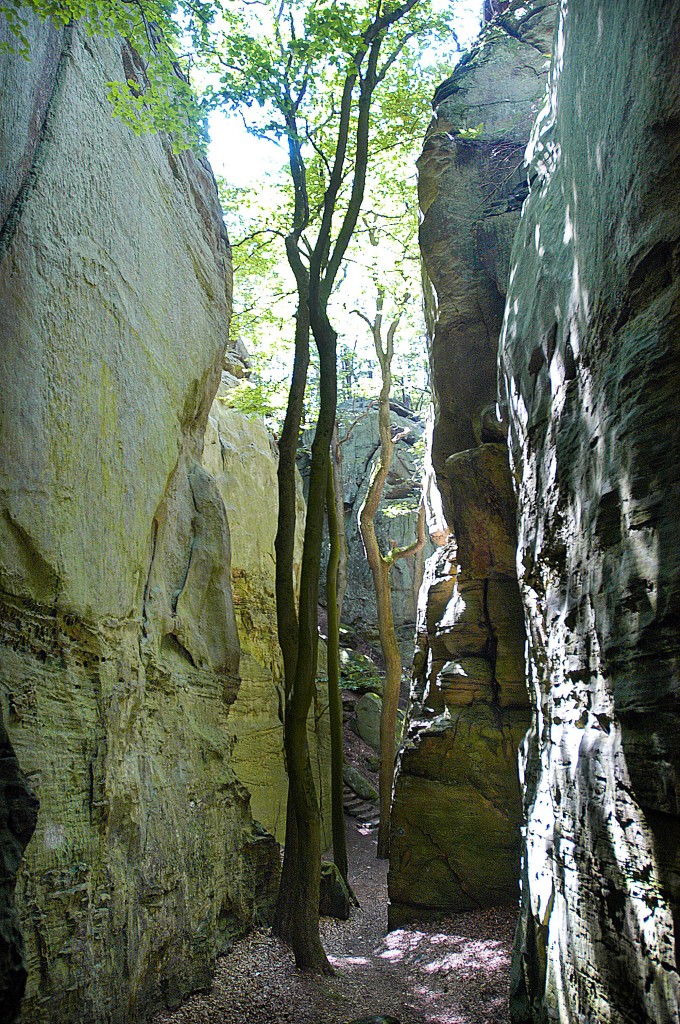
(364, 811)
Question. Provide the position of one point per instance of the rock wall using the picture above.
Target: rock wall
(18, 814)
(240, 455)
(119, 642)
(456, 813)
(591, 375)
(396, 519)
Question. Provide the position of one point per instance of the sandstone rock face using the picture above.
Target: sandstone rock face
(471, 184)
(590, 373)
(119, 642)
(18, 814)
(240, 455)
(367, 722)
(396, 519)
(456, 814)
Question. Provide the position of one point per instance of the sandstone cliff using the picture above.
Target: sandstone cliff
(591, 376)
(18, 814)
(120, 646)
(456, 814)
(396, 519)
(240, 455)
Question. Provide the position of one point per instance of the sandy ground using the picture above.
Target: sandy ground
(455, 972)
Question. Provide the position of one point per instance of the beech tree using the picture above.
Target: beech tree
(381, 565)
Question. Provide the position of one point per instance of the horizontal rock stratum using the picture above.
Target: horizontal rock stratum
(591, 377)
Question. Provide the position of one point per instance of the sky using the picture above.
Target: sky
(244, 160)
(241, 158)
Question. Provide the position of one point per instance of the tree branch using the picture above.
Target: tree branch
(393, 56)
(356, 421)
(419, 543)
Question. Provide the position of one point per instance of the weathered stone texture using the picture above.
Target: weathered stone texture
(457, 809)
(18, 815)
(120, 646)
(471, 185)
(591, 376)
(240, 455)
(396, 519)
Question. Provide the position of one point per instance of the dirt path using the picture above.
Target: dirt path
(453, 973)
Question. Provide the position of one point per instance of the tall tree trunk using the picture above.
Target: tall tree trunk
(334, 699)
(315, 270)
(391, 689)
(299, 884)
(297, 913)
(338, 490)
(380, 566)
(284, 545)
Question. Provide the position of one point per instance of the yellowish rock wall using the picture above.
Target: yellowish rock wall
(119, 645)
(241, 456)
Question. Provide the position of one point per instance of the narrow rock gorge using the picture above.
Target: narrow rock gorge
(456, 816)
(142, 779)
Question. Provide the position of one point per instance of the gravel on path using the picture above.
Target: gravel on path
(454, 972)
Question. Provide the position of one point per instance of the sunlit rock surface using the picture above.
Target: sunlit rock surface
(396, 519)
(471, 185)
(120, 646)
(240, 455)
(591, 376)
(456, 815)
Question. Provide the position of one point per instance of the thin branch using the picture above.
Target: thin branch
(364, 318)
(393, 56)
(254, 234)
(357, 421)
(410, 549)
(319, 152)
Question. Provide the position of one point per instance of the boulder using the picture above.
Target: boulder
(334, 896)
(366, 723)
(353, 778)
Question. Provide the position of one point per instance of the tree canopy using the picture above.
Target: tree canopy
(258, 216)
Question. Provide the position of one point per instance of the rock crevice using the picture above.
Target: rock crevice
(469, 705)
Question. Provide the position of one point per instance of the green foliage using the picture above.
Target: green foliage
(471, 133)
(358, 673)
(258, 398)
(279, 60)
(264, 289)
(159, 97)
